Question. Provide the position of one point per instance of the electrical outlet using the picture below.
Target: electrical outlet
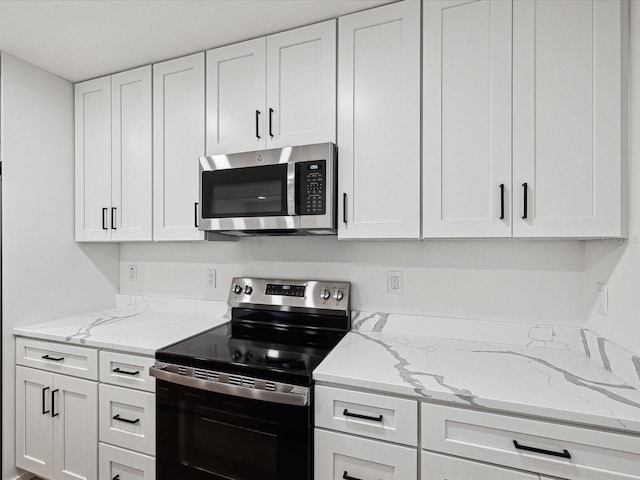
(602, 298)
(132, 274)
(211, 278)
(394, 282)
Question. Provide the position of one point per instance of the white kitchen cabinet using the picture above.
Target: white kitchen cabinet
(125, 465)
(569, 118)
(113, 157)
(273, 91)
(443, 467)
(338, 456)
(178, 142)
(56, 425)
(467, 118)
(93, 159)
(379, 122)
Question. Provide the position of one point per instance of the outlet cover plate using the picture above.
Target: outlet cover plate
(602, 298)
(394, 282)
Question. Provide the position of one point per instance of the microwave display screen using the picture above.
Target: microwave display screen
(245, 192)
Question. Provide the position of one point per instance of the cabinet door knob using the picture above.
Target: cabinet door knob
(258, 124)
(502, 201)
(126, 420)
(104, 218)
(54, 359)
(44, 400)
(524, 205)
(271, 122)
(53, 403)
(346, 476)
(125, 372)
(347, 413)
(113, 218)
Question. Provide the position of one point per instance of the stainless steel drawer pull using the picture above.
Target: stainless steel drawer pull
(54, 359)
(563, 454)
(347, 413)
(125, 372)
(126, 420)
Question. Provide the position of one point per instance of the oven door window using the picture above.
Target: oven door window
(210, 436)
(245, 192)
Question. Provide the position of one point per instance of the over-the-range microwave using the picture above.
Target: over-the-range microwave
(282, 191)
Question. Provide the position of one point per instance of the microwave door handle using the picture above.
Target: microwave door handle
(291, 189)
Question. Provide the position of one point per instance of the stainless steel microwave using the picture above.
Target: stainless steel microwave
(282, 191)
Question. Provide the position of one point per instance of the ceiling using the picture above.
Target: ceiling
(82, 39)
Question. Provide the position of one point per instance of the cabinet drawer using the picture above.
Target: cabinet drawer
(127, 370)
(386, 418)
(126, 464)
(57, 357)
(339, 456)
(128, 418)
(591, 454)
(443, 467)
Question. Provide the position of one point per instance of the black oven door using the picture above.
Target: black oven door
(202, 435)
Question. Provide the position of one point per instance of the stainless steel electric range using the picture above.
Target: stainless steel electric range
(235, 402)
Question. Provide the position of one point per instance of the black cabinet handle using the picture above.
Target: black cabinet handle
(113, 218)
(270, 122)
(55, 359)
(53, 403)
(347, 413)
(126, 420)
(104, 218)
(125, 372)
(195, 214)
(563, 454)
(44, 399)
(117, 477)
(524, 215)
(344, 208)
(346, 476)
(258, 124)
(502, 201)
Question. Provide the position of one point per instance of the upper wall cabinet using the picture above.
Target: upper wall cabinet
(525, 118)
(379, 122)
(467, 119)
(569, 118)
(113, 157)
(178, 139)
(273, 92)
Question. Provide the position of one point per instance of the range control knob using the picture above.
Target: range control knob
(237, 289)
(338, 295)
(325, 293)
(248, 289)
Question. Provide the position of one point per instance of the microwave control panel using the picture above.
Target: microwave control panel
(311, 187)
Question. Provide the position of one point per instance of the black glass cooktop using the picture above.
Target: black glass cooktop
(272, 348)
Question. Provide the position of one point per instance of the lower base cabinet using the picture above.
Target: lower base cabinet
(121, 464)
(443, 467)
(56, 425)
(339, 457)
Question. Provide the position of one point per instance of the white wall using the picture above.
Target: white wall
(46, 275)
(618, 263)
(507, 280)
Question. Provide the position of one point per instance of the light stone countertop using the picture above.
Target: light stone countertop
(556, 380)
(139, 325)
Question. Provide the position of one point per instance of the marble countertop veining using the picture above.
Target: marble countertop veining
(556, 383)
(138, 325)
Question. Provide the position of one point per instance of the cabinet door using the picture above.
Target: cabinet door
(75, 428)
(443, 467)
(131, 214)
(301, 86)
(379, 122)
(34, 430)
(236, 98)
(569, 118)
(178, 142)
(93, 159)
(339, 456)
(467, 119)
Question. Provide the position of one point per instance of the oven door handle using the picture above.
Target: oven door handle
(296, 396)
